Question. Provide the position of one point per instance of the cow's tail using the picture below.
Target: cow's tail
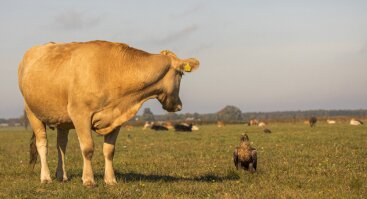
(33, 151)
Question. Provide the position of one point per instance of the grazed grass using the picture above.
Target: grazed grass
(295, 161)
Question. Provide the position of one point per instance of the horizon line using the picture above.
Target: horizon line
(302, 110)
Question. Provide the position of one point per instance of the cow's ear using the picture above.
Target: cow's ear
(186, 65)
(168, 53)
(189, 65)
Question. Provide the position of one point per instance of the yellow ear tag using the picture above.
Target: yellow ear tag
(187, 67)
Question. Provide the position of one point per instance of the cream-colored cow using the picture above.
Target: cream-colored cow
(261, 124)
(96, 85)
(355, 122)
(331, 121)
(220, 124)
(147, 125)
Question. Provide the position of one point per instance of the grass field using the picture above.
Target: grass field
(295, 161)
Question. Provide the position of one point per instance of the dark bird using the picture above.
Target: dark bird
(313, 121)
(244, 156)
(266, 130)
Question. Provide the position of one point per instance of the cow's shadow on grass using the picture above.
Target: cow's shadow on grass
(209, 177)
(134, 177)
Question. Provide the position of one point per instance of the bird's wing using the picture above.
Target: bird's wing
(254, 158)
(235, 158)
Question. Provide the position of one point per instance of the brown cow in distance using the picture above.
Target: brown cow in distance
(96, 85)
(220, 124)
(313, 121)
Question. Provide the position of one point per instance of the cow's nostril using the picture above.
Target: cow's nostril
(178, 108)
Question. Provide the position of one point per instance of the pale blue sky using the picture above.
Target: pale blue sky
(257, 55)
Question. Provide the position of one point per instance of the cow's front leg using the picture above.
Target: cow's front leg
(82, 126)
(62, 141)
(108, 152)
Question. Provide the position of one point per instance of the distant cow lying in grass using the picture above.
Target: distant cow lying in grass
(331, 121)
(157, 127)
(220, 124)
(355, 122)
(253, 122)
(195, 128)
(266, 130)
(147, 125)
(244, 156)
(169, 125)
(262, 124)
(183, 127)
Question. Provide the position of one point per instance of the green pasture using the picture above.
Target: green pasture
(295, 161)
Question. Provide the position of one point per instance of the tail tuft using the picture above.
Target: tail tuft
(33, 151)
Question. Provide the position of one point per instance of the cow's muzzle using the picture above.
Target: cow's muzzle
(178, 108)
(173, 108)
(170, 104)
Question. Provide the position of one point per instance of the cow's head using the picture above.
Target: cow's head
(169, 97)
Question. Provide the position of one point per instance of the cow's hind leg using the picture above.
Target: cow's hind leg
(62, 141)
(108, 152)
(39, 131)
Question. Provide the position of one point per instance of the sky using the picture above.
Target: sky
(257, 55)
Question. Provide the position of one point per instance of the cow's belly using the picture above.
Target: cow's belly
(49, 111)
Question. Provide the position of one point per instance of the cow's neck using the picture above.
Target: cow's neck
(125, 106)
(142, 74)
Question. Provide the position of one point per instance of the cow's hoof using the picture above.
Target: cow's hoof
(110, 182)
(46, 181)
(89, 184)
(61, 178)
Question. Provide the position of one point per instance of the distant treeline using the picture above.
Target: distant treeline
(230, 114)
(233, 114)
(305, 115)
(11, 122)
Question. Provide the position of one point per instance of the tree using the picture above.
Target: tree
(196, 116)
(171, 116)
(147, 115)
(230, 114)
